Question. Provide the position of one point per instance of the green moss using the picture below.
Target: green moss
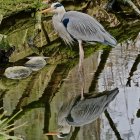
(4, 44)
(125, 31)
(9, 7)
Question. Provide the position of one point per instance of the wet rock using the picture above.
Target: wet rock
(36, 63)
(17, 72)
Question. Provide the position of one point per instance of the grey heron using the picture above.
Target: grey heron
(81, 112)
(73, 25)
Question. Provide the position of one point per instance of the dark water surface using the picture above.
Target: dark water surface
(43, 93)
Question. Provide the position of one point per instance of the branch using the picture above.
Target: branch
(113, 125)
(134, 7)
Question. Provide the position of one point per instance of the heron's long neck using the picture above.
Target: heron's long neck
(60, 14)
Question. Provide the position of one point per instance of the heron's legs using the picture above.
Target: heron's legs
(81, 56)
(81, 68)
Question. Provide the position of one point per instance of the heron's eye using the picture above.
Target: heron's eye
(57, 5)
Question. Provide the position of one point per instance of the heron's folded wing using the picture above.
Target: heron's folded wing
(86, 111)
(83, 27)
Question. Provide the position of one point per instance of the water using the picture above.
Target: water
(120, 72)
(41, 95)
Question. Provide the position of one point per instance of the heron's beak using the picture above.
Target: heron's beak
(52, 133)
(47, 10)
(45, 1)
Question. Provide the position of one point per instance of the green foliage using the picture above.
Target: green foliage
(8, 7)
(6, 127)
(4, 45)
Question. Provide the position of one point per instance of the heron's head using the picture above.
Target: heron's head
(55, 8)
(62, 132)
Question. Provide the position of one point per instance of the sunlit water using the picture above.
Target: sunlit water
(43, 93)
(119, 71)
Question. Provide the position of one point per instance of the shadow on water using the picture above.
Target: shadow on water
(138, 113)
(112, 125)
(60, 72)
(104, 57)
(75, 133)
(133, 69)
(58, 75)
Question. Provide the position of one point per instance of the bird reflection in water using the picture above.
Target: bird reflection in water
(79, 112)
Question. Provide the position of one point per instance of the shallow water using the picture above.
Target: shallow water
(43, 93)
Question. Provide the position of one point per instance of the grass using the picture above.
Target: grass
(6, 127)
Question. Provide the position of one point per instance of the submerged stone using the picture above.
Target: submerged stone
(36, 63)
(17, 72)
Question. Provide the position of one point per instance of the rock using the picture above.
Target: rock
(36, 63)
(17, 72)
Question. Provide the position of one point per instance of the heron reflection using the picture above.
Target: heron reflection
(79, 112)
